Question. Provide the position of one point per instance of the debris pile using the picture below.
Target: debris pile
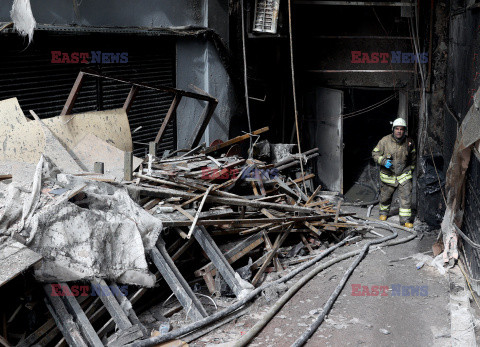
(77, 207)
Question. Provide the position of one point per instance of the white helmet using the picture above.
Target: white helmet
(399, 122)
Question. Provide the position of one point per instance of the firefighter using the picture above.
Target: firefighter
(395, 153)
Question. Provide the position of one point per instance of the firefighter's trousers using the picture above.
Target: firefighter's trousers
(405, 192)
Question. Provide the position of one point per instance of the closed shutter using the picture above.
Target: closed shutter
(28, 74)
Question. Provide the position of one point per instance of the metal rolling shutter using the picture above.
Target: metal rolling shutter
(39, 85)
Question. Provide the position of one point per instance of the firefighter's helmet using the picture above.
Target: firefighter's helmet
(399, 122)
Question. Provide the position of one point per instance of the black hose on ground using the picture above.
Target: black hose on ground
(220, 314)
(333, 297)
(279, 304)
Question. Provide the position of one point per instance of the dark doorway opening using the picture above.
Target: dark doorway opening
(368, 114)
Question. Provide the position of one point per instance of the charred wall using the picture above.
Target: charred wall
(463, 79)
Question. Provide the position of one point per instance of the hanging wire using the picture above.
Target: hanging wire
(294, 92)
(245, 78)
(369, 108)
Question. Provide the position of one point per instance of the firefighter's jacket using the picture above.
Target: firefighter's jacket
(402, 155)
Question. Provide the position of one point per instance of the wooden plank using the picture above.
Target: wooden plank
(84, 324)
(64, 320)
(276, 246)
(232, 255)
(4, 342)
(126, 305)
(112, 305)
(310, 199)
(15, 258)
(182, 249)
(268, 243)
(306, 243)
(170, 116)
(30, 340)
(177, 283)
(234, 140)
(67, 108)
(202, 123)
(253, 221)
(130, 98)
(298, 180)
(216, 256)
(167, 192)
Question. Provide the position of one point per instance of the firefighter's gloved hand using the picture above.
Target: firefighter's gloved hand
(388, 164)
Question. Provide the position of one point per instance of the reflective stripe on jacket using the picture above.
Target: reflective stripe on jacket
(402, 155)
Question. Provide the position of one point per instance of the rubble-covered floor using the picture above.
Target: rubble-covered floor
(359, 320)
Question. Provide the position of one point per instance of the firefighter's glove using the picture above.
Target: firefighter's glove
(388, 164)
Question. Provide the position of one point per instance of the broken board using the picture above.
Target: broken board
(11, 113)
(111, 156)
(15, 258)
(26, 141)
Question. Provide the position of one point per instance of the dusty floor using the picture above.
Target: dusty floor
(359, 320)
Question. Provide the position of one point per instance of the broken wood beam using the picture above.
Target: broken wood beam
(296, 162)
(166, 192)
(67, 108)
(237, 252)
(170, 116)
(111, 304)
(301, 179)
(310, 199)
(130, 98)
(81, 319)
(268, 227)
(276, 246)
(202, 123)
(217, 258)
(63, 319)
(252, 221)
(234, 140)
(199, 210)
(177, 282)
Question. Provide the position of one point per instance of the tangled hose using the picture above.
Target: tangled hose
(281, 302)
(220, 314)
